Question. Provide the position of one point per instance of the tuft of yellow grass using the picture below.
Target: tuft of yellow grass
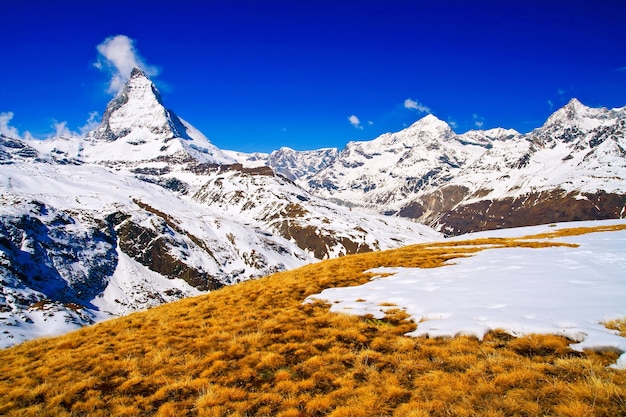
(255, 350)
(617, 324)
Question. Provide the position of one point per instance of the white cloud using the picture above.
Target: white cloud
(118, 56)
(354, 121)
(479, 121)
(560, 91)
(92, 123)
(415, 105)
(369, 122)
(452, 123)
(61, 130)
(7, 130)
(550, 104)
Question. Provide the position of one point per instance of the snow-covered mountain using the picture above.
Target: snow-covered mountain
(137, 127)
(571, 168)
(145, 210)
(384, 172)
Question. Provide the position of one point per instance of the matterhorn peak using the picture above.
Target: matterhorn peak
(137, 72)
(137, 106)
(139, 83)
(137, 127)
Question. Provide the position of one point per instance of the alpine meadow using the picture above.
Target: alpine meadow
(255, 349)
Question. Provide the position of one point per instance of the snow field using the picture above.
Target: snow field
(567, 291)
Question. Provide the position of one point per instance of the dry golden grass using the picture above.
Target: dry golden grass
(255, 350)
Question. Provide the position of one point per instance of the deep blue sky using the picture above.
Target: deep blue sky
(257, 75)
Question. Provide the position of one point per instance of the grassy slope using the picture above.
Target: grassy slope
(254, 349)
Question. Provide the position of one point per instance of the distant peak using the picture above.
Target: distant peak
(430, 118)
(573, 110)
(430, 121)
(575, 103)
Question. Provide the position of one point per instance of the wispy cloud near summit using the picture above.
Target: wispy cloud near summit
(416, 105)
(5, 128)
(117, 55)
(354, 121)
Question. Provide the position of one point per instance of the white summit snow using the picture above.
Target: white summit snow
(558, 290)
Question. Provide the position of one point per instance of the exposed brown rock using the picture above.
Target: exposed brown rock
(207, 168)
(315, 240)
(430, 206)
(151, 250)
(289, 211)
(532, 209)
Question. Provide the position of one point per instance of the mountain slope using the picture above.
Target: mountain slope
(145, 210)
(572, 168)
(255, 349)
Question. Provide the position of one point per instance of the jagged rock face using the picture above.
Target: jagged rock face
(447, 180)
(64, 258)
(13, 149)
(301, 165)
(52, 264)
(155, 247)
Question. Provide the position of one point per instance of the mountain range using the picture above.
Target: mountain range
(145, 209)
(571, 168)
